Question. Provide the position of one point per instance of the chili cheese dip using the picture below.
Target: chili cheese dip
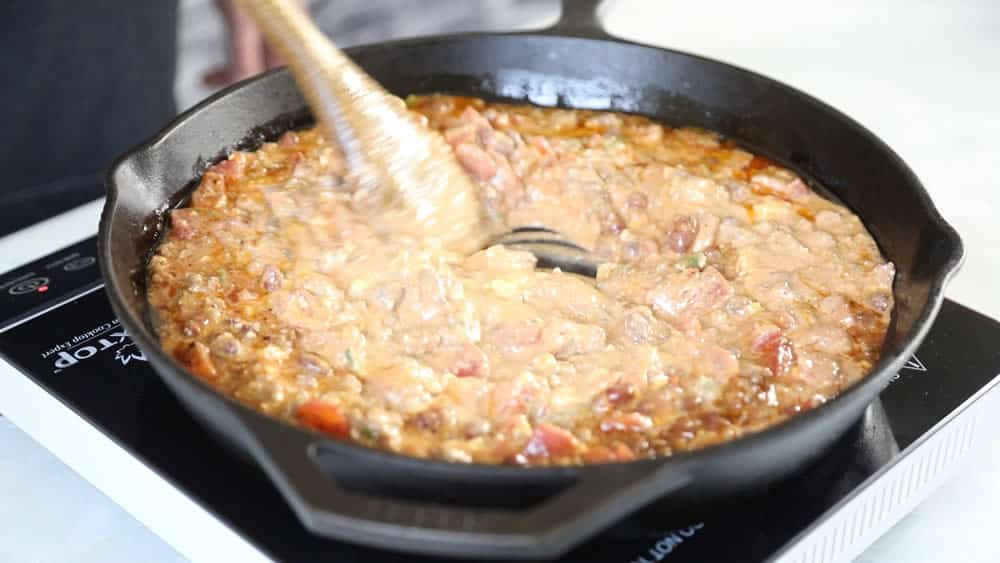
(730, 296)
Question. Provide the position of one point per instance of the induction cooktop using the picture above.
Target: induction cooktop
(85, 391)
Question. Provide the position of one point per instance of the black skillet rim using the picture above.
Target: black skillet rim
(877, 377)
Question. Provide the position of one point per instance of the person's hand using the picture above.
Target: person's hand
(247, 52)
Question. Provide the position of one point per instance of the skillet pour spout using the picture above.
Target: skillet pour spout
(350, 493)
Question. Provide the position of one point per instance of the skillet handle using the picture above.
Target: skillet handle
(579, 17)
(593, 501)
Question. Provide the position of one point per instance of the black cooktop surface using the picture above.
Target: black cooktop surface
(57, 327)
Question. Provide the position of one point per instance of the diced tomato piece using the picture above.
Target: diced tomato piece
(476, 161)
(467, 369)
(211, 192)
(688, 294)
(777, 353)
(763, 335)
(197, 357)
(549, 441)
(465, 360)
(788, 190)
(470, 362)
(231, 167)
(620, 394)
(323, 417)
(185, 223)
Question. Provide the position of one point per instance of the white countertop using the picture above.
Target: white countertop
(923, 77)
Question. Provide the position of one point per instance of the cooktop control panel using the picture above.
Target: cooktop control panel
(33, 287)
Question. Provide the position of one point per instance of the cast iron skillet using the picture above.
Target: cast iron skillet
(353, 493)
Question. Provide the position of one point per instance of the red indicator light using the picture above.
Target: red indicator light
(42, 289)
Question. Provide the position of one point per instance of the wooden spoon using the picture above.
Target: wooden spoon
(409, 180)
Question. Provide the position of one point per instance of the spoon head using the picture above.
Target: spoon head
(551, 249)
(408, 180)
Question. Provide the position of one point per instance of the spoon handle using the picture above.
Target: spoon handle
(408, 179)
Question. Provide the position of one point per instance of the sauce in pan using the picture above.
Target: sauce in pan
(730, 295)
